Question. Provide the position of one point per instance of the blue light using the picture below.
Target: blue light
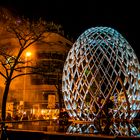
(107, 67)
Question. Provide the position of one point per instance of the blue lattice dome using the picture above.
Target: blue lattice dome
(101, 77)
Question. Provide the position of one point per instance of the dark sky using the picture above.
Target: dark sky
(78, 15)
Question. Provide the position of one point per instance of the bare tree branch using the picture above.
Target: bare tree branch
(6, 70)
(3, 75)
(22, 74)
(26, 33)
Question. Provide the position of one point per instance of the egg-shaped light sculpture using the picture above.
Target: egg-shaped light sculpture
(115, 129)
(101, 77)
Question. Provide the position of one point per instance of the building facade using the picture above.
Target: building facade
(40, 94)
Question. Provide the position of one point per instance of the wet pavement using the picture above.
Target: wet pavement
(45, 130)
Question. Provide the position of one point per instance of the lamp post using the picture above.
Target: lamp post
(27, 56)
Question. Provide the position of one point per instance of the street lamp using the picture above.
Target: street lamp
(27, 56)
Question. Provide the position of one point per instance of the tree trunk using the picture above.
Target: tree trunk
(5, 95)
(59, 91)
(60, 98)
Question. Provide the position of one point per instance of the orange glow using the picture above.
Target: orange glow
(28, 54)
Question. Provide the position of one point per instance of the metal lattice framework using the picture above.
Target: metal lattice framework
(115, 129)
(101, 77)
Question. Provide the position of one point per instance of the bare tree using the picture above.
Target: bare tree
(26, 33)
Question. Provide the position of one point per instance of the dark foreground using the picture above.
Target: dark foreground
(51, 130)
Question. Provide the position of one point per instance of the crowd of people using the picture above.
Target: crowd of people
(24, 116)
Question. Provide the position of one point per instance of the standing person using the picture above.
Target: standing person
(63, 119)
(107, 109)
(9, 117)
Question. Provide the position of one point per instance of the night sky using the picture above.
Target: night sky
(78, 15)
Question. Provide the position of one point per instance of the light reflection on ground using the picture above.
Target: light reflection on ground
(113, 129)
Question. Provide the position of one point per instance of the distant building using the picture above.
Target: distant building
(43, 92)
(38, 93)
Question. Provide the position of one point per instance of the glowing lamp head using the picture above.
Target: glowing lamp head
(28, 54)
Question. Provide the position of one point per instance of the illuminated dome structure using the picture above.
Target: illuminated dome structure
(101, 77)
(115, 129)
